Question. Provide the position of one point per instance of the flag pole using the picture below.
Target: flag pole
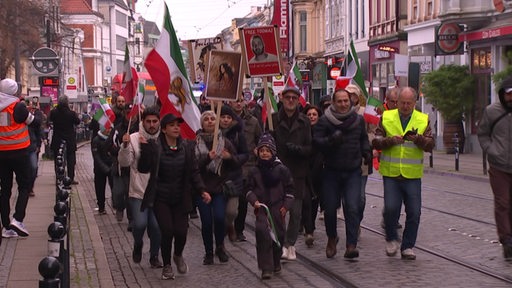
(218, 105)
(268, 104)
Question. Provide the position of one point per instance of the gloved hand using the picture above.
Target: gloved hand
(367, 158)
(336, 138)
(283, 211)
(293, 148)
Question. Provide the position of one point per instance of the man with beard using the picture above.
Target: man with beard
(495, 139)
(341, 135)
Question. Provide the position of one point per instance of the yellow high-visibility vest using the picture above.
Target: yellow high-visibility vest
(405, 159)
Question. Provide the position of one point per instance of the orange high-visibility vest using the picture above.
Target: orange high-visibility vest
(13, 136)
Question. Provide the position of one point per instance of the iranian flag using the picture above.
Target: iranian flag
(137, 102)
(105, 116)
(273, 104)
(354, 70)
(295, 80)
(130, 78)
(167, 69)
(371, 111)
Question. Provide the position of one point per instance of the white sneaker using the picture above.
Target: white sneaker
(292, 255)
(19, 227)
(285, 253)
(392, 247)
(9, 233)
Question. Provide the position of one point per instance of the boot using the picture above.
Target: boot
(330, 250)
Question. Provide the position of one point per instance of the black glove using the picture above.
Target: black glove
(293, 148)
(336, 138)
(367, 158)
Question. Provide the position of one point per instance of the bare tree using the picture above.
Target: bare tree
(21, 26)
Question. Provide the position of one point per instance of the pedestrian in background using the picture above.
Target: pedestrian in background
(494, 134)
(269, 183)
(174, 180)
(314, 179)
(292, 133)
(35, 130)
(102, 162)
(403, 135)
(341, 136)
(252, 132)
(64, 122)
(14, 156)
(128, 158)
(232, 129)
(214, 165)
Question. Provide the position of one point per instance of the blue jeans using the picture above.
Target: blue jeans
(396, 191)
(364, 180)
(345, 187)
(212, 221)
(142, 220)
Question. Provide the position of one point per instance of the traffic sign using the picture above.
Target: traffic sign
(45, 60)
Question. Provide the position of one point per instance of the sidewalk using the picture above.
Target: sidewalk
(19, 258)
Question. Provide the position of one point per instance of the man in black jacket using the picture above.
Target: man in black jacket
(64, 124)
(341, 136)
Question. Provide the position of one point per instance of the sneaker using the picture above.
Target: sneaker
(408, 254)
(167, 272)
(221, 253)
(392, 248)
(309, 240)
(292, 254)
(285, 253)
(240, 237)
(155, 262)
(19, 227)
(351, 252)
(137, 253)
(9, 233)
(119, 215)
(265, 275)
(180, 264)
(208, 259)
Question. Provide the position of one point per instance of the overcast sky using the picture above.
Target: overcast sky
(194, 19)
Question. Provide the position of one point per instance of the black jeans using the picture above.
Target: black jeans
(100, 183)
(20, 166)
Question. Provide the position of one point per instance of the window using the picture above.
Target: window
(303, 22)
(120, 42)
(121, 19)
(430, 8)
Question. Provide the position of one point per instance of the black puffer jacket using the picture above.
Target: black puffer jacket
(236, 136)
(347, 155)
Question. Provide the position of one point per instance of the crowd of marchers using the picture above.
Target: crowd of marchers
(301, 161)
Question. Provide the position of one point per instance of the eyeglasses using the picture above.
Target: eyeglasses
(290, 97)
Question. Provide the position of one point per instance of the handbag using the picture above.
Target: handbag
(229, 189)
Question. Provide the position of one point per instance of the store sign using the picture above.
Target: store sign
(70, 88)
(447, 39)
(387, 48)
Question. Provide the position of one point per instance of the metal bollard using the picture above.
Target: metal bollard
(49, 267)
(61, 213)
(456, 139)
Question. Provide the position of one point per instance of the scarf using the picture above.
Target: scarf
(146, 135)
(203, 141)
(341, 119)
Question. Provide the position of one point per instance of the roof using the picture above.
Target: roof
(77, 7)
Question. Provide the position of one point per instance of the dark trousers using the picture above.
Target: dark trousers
(212, 221)
(501, 184)
(173, 223)
(120, 191)
(70, 162)
(267, 251)
(242, 214)
(19, 166)
(100, 183)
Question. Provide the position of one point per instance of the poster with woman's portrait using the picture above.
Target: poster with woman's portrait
(199, 49)
(223, 75)
(260, 46)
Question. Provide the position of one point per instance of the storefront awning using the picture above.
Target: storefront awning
(494, 30)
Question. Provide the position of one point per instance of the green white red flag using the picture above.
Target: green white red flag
(273, 104)
(167, 69)
(130, 78)
(371, 114)
(295, 80)
(137, 102)
(354, 70)
(105, 116)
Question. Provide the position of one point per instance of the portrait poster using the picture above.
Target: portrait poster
(260, 47)
(223, 75)
(198, 51)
